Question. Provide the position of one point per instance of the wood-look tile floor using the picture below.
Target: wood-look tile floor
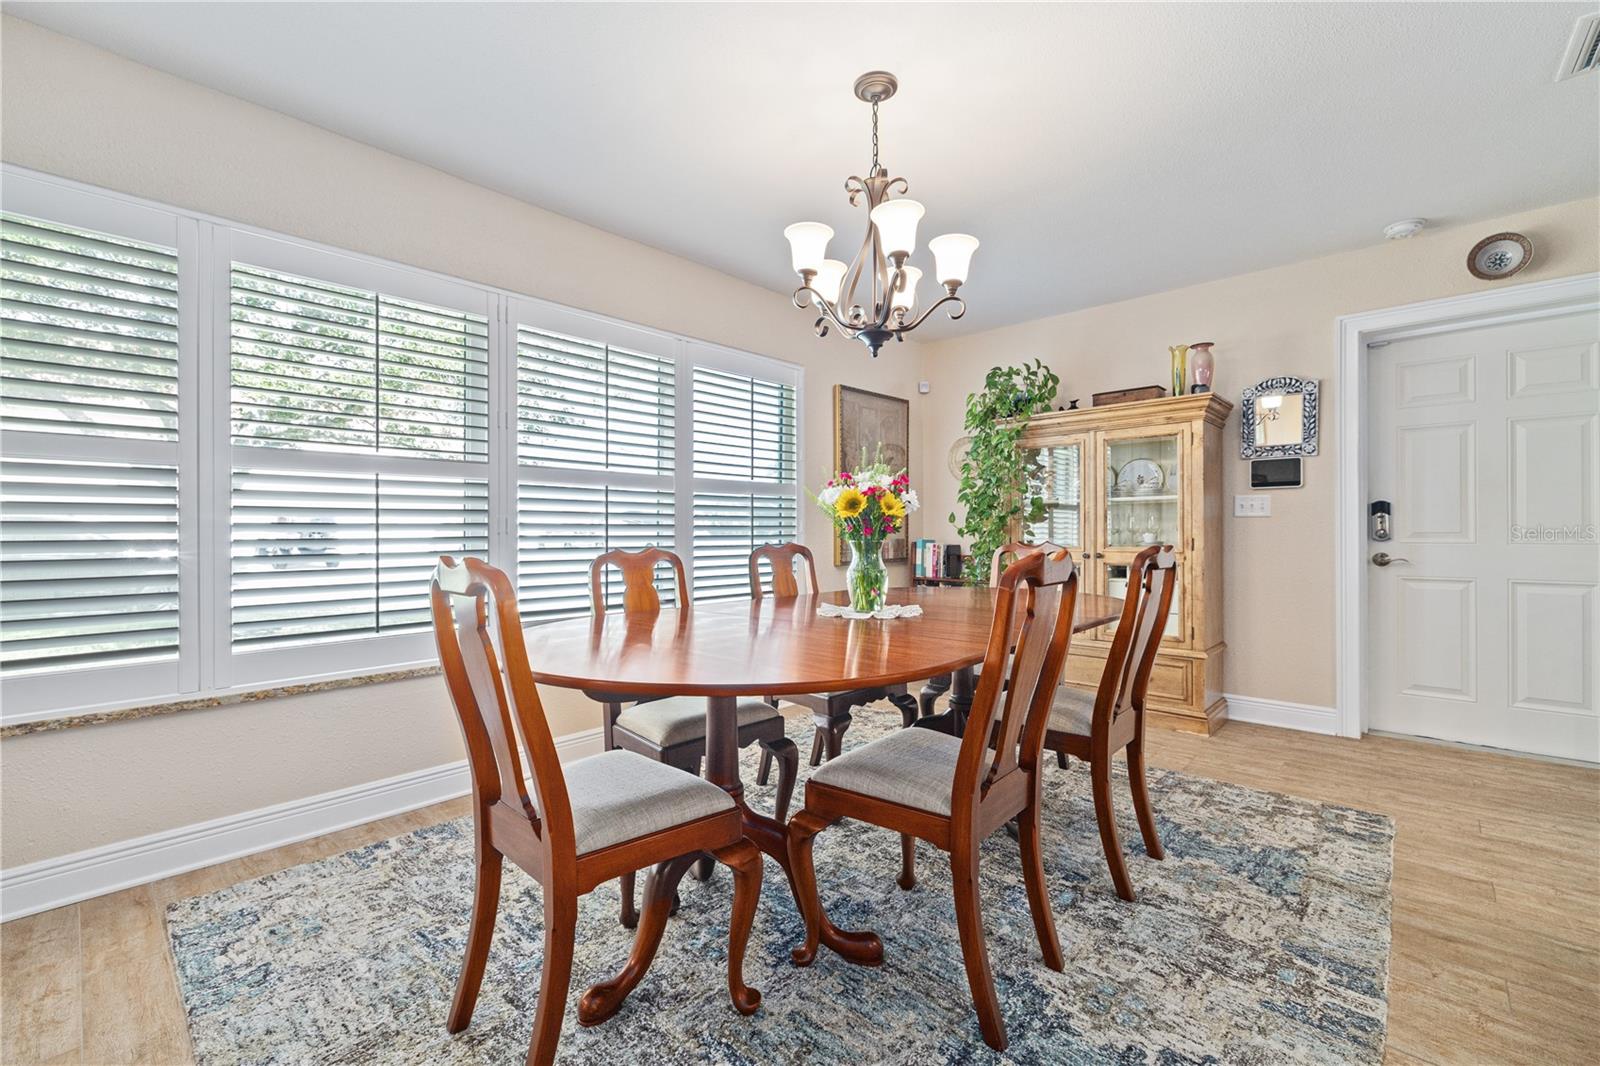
(1496, 952)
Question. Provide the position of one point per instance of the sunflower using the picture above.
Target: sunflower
(850, 503)
(892, 505)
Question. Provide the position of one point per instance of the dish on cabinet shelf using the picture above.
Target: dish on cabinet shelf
(1141, 477)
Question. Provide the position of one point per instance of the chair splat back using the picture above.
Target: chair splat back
(785, 561)
(1011, 551)
(1152, 578)
(638, 578)
(1034, 604)
(494, 706)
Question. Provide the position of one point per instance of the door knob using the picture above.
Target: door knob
(1384, 559)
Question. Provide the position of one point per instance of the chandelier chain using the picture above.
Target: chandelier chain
(874, 135)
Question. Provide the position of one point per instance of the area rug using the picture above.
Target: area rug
(1262, 938)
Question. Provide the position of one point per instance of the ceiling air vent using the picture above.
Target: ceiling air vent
(1583, 51)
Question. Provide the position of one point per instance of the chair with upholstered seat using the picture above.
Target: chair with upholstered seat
(830, 711)
(672, 729)
(954, 791)
(578, 826)
(1095, 725)
(1003, 556)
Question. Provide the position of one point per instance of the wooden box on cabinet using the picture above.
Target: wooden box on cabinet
(1167, 455)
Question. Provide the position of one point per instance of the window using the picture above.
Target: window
(90, 332)
(596, 455)
(203, 422)
(90, 453)
(359, 423)
(745, 474)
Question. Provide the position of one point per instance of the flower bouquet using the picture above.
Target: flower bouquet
(867, 506)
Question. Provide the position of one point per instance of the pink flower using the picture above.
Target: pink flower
(867, 530)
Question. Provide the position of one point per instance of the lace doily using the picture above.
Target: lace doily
(893, 610)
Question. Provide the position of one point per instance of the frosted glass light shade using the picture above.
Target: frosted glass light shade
(952, 257)
(830, 275)
(897, 225)
(808, 245)
(907, 297)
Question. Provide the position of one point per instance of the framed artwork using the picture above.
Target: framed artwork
(866, 421)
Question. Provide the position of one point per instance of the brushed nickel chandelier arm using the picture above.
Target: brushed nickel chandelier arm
(873, 297)
(955, 312)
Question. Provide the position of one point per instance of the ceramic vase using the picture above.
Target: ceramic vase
(1202, 364)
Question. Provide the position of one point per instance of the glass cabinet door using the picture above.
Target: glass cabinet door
(1116, 584)
(1056, 476)
(1142, 505)
(1143, 490)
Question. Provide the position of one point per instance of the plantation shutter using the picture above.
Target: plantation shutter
(382, 397)
(561, 529)
(745, 468)
(335, 556)
(744, 428)
(329, 368)
(88, 564)
(88, 332)
(89, 523)
(596, 446)
(727, 528)
(589, 406)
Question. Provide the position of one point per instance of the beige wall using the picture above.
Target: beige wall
(1279, 571)
(79, 112)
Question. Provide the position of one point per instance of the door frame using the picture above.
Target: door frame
(1356, 334)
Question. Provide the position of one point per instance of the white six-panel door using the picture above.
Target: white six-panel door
(1484, 628)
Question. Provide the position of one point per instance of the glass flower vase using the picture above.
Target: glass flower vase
(867, 578)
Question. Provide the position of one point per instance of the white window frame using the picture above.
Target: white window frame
(368, 653)
(206, 665)
(31, 695)
(730, 361)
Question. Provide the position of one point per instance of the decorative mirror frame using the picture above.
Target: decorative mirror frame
(1306, 388)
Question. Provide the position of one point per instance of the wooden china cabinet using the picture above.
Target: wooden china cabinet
(1115, 479)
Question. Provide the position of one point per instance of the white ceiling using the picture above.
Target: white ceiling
(1098, 151)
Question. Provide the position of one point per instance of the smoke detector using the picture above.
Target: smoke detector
(1583, 50)
(1406, 227)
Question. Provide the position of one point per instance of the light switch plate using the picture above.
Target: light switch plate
(1252, 506)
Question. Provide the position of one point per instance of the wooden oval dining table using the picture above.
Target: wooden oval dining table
(773, 646)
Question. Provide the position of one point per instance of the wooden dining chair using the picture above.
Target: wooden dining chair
(581, 825)
(953, 792)
(672, 729)
(1003, 556)
(830, 711)
(1094, 726)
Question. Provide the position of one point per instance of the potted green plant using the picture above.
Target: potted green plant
(994, 486)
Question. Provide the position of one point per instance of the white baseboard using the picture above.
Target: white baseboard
(1283, 714)
(55, 882)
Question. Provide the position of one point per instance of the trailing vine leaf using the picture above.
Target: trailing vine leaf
(994, 488)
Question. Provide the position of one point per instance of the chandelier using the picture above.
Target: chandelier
(874, 297)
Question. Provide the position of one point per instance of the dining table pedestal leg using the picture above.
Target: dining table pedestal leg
(963, 687)
(769, 834)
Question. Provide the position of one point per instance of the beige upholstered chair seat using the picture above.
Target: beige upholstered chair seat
(1073, 710)
(618, 795)
(911, 767)
(679, 719)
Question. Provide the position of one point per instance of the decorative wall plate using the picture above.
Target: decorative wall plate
(1141, 477)
(1499, 255)
(958, 452)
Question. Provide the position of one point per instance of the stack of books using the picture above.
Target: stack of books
(932, 559)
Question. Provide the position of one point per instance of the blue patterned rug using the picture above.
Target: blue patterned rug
(1262, 938)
